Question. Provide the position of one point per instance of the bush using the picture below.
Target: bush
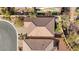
(59, 25)
(18, 22)
(76, 48)
(77, 22)
(71, 40)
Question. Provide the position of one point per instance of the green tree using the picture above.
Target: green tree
(59, 25)
(7, 12)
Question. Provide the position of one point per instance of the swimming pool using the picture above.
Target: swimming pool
(8, 36)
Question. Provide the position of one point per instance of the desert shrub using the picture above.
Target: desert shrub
(18, 22)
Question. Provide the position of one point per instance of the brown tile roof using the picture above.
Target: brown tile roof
(42, 21)
(40, 31)
(38, 44)
(40, 27)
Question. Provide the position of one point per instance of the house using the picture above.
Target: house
(40, 33)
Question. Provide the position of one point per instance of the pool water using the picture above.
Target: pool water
(8, 37)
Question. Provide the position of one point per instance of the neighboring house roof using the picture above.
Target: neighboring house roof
(42, 21)
(40, 31)
(46, 22)
(38, 44)
(29, 27)
(39, 27)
